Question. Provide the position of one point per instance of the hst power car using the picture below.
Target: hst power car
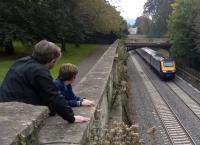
(165, 67)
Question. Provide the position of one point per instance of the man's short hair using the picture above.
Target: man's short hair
(45, 51)
(68, 71)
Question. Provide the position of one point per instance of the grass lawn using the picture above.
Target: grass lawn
(73, 55)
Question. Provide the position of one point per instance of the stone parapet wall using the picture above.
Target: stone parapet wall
(24, 124)
(19, 123)
(97, 85)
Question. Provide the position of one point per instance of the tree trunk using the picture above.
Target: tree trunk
(63, 48)
(9, 49)
(77, 44)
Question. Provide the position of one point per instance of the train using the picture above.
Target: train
(164, 66)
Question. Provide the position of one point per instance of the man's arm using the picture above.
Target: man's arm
(52, 98)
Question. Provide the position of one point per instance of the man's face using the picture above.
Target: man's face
(52, 63)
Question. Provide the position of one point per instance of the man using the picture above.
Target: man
(30, 81)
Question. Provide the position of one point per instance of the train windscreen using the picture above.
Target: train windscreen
(168, 63)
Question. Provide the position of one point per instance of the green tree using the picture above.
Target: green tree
(98, 17)
(197, 25)
(158, 11)
(143, 23)
(181, 28)
(56, 20)
(7, 28)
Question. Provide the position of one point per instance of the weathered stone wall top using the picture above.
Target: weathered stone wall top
(94, 83)
(19, 120)
(56, 131)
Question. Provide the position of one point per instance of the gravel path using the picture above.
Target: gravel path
(89, 62)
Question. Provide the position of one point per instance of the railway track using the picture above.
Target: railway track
(191, 77)
(176, 131)
(191, 103)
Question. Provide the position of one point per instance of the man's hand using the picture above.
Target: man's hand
(80, 119)
(86, 102)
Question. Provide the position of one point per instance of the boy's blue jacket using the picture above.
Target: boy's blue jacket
(66, 90)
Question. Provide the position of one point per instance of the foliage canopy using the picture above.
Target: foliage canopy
(182, 27)
(57, 20)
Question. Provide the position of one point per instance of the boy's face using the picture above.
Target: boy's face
(73, 79)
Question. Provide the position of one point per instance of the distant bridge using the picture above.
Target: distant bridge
(138, 41)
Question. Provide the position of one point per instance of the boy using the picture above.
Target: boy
(66, 77)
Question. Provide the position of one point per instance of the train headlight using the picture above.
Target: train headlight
(164, 71)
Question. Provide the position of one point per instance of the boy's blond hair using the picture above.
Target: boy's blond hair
(68, 71)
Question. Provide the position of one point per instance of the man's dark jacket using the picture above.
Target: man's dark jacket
(30, 82)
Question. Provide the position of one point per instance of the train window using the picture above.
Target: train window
(168, 63)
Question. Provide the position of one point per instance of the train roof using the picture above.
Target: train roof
(153, 53)
(149, 51)
(158, 57)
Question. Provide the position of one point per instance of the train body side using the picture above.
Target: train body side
(145, 53)
(155, 63)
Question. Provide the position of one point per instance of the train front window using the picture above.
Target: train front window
(168, 63)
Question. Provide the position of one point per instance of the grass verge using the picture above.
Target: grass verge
(72, 55)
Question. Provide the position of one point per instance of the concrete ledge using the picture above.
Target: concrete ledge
(97, 86)
(19, 120)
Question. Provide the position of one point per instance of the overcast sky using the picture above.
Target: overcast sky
(130, 9)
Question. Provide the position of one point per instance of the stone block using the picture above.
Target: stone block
(19, 120)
